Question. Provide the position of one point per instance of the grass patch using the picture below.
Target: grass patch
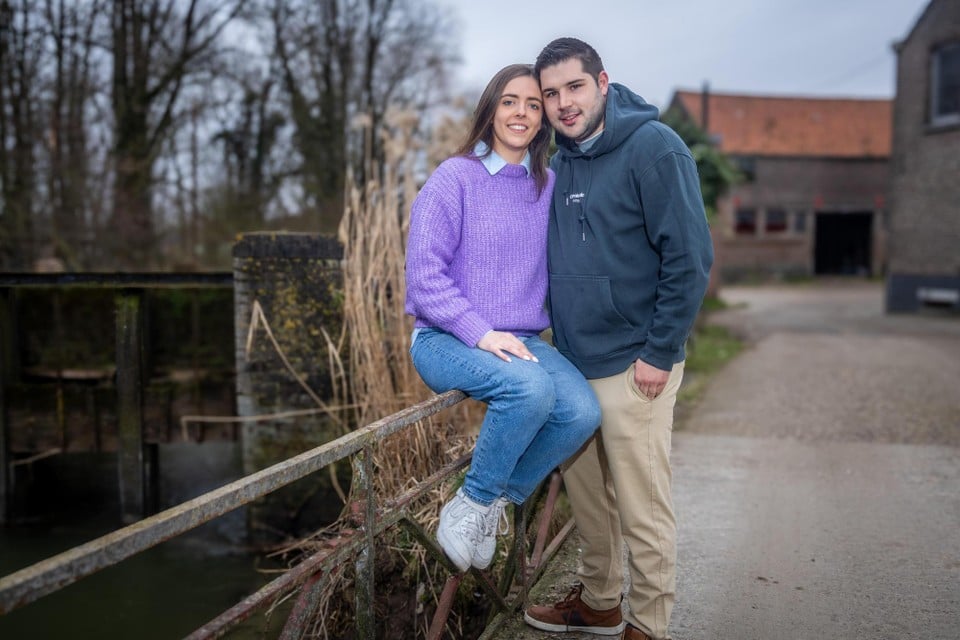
(711, 348)
(713, 303)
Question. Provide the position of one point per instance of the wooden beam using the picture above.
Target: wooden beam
(130, 379)
(207, 280)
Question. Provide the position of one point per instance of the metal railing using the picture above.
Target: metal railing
(371, 519)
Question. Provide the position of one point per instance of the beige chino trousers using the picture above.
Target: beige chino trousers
(619, 490)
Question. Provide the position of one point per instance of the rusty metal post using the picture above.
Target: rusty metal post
(545, 516)
(131, 469)
(520, 520)
(304, 607)
(8, 368)
(366, 559)
(444, 606)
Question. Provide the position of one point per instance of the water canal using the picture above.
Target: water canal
(161, 346)
(165, 592)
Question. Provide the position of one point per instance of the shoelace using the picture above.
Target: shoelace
(571, 600)
(503, 522)
(496, 520)
(472, 526)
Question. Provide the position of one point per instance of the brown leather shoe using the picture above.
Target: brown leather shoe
(571, 614)
(630, 632)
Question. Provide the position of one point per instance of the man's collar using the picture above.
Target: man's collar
(585, 145)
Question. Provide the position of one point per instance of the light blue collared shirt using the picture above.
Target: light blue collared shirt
(494, 162)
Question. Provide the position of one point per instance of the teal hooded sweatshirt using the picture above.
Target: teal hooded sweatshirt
(629, 249)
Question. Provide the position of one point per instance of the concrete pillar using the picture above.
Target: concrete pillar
(296, 280)
(130, 381)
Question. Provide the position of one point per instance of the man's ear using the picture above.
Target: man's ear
(603, 81)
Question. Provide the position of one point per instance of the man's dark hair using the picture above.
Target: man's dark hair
(563, 49)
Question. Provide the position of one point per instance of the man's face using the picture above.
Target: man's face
(574, 102)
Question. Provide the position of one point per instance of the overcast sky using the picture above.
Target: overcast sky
(793, 47)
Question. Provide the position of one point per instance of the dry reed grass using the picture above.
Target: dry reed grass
(376, 377)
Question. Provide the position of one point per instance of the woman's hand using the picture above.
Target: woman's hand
(500, 343)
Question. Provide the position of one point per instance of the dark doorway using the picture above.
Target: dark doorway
(843, 243)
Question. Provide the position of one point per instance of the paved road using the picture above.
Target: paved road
(817, 483)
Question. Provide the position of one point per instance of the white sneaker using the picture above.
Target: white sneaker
(462, 529)
(494, 522)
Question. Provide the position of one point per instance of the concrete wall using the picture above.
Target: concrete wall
(296, 280)
(925, 195)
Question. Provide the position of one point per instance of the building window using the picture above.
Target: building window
(800, 222)
(776, 221)
(747, 166)
(746, 222)
(945, 85)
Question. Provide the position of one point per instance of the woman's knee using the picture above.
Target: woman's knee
(534, 389)
(584, 408)
(591, 415)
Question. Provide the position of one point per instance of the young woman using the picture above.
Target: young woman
(476, 275)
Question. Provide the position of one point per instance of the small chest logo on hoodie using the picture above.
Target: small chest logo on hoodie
(577, 200)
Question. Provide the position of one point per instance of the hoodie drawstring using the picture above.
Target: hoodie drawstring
(578, 200)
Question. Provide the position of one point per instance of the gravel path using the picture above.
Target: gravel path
(825, 363)
(817, 481)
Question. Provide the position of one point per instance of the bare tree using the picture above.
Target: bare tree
(71, 28)
(157, 47)
(343, 61)
(115, 115)
(410, 53)
(250, 166)
(247, 144)
(21, 49)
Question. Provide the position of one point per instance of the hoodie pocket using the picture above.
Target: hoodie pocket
(585, 320)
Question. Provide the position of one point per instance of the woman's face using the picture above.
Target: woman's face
(517, 119)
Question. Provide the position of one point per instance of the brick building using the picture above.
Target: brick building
(816, 173)
(924, 243)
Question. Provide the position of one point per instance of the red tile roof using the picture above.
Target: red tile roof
(782, 126)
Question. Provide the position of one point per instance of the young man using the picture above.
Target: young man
(629, 258)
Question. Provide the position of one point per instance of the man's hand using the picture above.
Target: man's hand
(650, 380)
(500, 343)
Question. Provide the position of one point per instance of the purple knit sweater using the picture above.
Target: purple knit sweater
(477, 251)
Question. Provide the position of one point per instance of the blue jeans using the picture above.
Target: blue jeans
(538, 413)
